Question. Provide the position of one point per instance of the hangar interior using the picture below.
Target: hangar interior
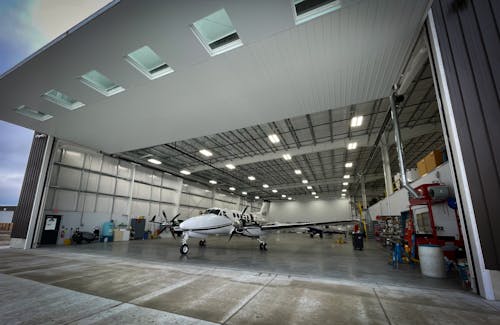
(290, 118)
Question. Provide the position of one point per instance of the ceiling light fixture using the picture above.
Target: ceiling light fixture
(232, 189)
(230, 166)
(283, 195)
(275, 191)
(185, 172)
(298, 172)
(273, 138)
(344, 190)
(356, 121)
(348, 165)
(257, 197)
(289, 198)
(287, 157)
(313, 193)
(345, 183)
(347, 176)
(154, 161)
(206, 153)
(309, 187)
(212, 181)
(265, 185)
(244, 193)
(305, 181)
(316, 197)
(252, 178)
(352, 146)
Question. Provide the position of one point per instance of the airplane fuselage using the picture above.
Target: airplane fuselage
(222, 222)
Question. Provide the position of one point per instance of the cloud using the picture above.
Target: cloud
(15, 145)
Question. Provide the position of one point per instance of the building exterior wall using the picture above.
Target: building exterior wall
(22, 215)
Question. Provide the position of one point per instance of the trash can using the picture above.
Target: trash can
(431, 261)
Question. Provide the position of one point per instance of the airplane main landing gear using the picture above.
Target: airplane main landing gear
(263, 246)
(184, 249)
(203, 243)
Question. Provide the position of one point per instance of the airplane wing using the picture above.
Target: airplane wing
(279, 225)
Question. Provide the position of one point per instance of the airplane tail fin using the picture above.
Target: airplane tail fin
(264, 209)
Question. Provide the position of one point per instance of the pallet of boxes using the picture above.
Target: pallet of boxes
(430, 162)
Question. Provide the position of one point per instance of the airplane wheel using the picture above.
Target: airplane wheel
(184, 249)
(264, 247)
(261, 246)
(311, 235)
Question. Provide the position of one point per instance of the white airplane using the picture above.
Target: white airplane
(215, 221)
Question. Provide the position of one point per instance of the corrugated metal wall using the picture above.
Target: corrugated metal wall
(469, 39)
(22, 215)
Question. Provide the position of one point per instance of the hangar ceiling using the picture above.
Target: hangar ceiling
(316, 142)
(326, 66)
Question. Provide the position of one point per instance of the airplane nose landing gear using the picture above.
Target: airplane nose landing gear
(262, 245)
(184, 249)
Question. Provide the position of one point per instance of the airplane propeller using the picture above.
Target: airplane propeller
(164, 225)
(238, 224)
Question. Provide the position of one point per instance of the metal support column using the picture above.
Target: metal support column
(386, 164)
(363, 193)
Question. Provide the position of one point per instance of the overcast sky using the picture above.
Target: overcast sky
(26, 26)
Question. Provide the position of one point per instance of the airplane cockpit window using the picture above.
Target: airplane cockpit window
(212, 211)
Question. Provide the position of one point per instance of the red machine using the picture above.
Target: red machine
(431, 197)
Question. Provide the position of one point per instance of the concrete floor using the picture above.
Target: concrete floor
(108, 283)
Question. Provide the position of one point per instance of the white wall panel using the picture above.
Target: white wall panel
(87, 202)
(65, 200)
(170, 181)
(125, 170)
(310, 210)
(120, 206)
(122, 187)
(157, 178)
(93, 162)
(72, 158)
(139, 208)
(142, 175)
(142, 191)
(104, 204)
(90, 182)
(167, 195)
(109, 165)
(155, 193)
(69, 178)
(154, 209)
(107, 185)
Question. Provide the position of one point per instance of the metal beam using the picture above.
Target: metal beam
(337, 180)
(362, 141)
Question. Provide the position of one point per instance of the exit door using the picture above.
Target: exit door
(50, 229)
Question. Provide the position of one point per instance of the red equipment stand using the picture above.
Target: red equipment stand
(426, 199)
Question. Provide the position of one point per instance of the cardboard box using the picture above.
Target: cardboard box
(433, 159)
(422, 168)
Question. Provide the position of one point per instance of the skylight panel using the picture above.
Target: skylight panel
(62, 100)
(217, 33)
(306, 10)
(148, 62)
(99, 82)
(33, 113)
